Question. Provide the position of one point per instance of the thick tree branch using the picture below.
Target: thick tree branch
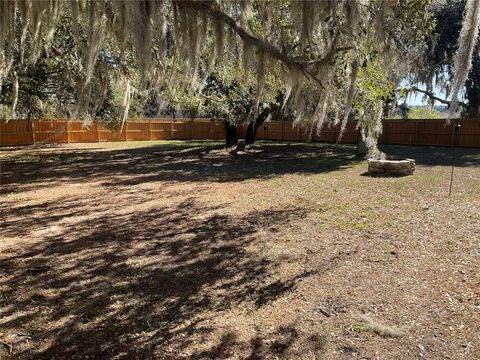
(213, 9)
(433, 97)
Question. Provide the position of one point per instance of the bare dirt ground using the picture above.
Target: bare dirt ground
(162, 250)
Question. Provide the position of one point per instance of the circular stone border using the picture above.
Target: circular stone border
(391, 167)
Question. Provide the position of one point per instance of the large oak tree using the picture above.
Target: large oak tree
(327, 57)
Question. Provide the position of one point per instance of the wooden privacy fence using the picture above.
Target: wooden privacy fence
(430, 132)
(27, 132)
(413, 132)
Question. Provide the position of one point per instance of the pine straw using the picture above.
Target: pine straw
(110, 251)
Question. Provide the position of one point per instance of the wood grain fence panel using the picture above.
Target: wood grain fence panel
(261, 132)
(217, 130)
(273, 130)
(393, 132)
(137, 130)
(111, 135)
(200, 129)
(469, 134)
(80, 132)
(288, 131)
(160, 130)
(410, 133)
(419, 132)
(437, 133)
(382, 139)
(16, 132)
(401, 132)
(181, 129)
(327, 134)
(350, 134)
(50, 131)
(189, 129)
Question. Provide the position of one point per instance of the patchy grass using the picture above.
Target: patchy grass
(164, 145)
(177, 250)
(366, 323)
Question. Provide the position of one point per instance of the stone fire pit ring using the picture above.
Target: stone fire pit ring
(391, 167)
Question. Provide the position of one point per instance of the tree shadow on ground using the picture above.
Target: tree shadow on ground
(144, 284)
(435, 156)
(192, 162)
(281, 342)
(126, 167)
(106, 282)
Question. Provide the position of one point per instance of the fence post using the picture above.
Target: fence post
(149, 129)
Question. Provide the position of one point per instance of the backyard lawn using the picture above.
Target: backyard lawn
(176, 250)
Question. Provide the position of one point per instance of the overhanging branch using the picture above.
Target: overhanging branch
(212, 8)
(433, 96)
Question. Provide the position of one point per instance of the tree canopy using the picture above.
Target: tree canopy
(327, 58)
(438, 66)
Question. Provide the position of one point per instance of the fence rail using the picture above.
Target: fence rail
(413, 132)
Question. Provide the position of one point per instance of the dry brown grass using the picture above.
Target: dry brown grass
(369, 324)
(171, 252)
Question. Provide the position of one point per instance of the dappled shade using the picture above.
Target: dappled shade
(118, 253)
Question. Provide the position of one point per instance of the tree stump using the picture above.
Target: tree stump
(240, 145)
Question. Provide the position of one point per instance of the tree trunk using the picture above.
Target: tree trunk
(362, 148)
(231, 136)
(253, 126)
(251, 133)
